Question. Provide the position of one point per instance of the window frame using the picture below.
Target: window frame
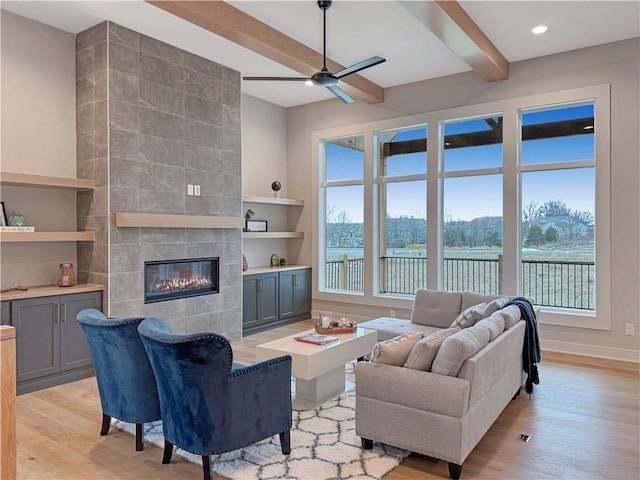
(599, 319)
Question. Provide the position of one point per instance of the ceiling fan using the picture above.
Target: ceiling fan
(324, 77)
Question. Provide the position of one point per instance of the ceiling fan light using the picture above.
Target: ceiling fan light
(308, 83)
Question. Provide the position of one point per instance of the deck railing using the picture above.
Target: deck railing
(566, 284)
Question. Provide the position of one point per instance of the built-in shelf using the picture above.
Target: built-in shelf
(45, 181)
(160, 220)
(273, 200)
(247, 235)
(47, 237)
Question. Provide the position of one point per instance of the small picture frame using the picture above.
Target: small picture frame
(256, 225)
(3, 216)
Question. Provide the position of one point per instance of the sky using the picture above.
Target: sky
(466, 198)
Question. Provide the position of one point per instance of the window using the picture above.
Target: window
(343, 214)
(402, 173)
(472, 212)
(558, 199)
(510, 197)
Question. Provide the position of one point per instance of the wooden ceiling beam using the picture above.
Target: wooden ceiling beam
(454, 27)
(233, 24)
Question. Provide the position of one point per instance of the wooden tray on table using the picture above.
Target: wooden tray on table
(335, 329)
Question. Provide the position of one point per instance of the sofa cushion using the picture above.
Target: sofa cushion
(472, 298)
(511, 315)
(423, 352)
(459, 347)
(395, 350)
(495, 324)
(435, 308)
(388, 327)
(472, 314)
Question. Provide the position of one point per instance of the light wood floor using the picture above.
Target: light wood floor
(583, 419)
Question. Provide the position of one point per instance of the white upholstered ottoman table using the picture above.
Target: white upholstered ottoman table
(319, 369)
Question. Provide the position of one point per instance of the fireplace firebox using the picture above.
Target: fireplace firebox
(173, 279)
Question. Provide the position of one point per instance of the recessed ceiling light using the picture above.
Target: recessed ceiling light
(539, 29)
(308, 83)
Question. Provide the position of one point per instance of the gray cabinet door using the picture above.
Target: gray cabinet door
(295, 293)
(5, 313)
(250, 311)
(74, 351)
(268, 297)
(37, 323)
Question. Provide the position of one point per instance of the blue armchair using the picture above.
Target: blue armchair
(209, 404)
(126, 383)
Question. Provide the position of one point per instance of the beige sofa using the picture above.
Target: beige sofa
(442, 415)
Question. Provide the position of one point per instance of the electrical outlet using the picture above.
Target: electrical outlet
(189, 189)
(629, 329)
(392, 313)
(196, 190)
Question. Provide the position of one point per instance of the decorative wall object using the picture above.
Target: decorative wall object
(276, 187)
(256, 225)
(66, 276)
(16, 219)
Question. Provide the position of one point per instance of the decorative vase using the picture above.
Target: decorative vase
(245, 264)
(16, 219)
(66, 276)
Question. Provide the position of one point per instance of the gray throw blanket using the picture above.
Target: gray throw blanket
(531, 346)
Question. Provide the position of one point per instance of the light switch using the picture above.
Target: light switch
(189, 189)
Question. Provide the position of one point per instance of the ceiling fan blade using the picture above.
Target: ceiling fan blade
(341, 94)
(283, 79)
(370, 62)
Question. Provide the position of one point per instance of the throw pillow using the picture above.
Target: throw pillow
(423, 352)
(511, 315)
(495, 324)
(470, 316)
(457, 348)
(395, 350)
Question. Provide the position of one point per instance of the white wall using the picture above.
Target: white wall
(264, 159)
(38, 137)
(618, 64)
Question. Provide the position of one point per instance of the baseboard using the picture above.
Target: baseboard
(594, 351)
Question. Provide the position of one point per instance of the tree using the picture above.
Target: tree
(585, 217)
(530, 212)
(551, 235)
(535, 236)
(554, 208)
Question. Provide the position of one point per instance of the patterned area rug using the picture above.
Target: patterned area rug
(324, 445)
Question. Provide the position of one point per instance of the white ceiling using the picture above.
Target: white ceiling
(357, 30)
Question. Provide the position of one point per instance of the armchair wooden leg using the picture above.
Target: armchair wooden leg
(366, 443)
(285, 442)
(139, 435)
(168, 451)
(106, 424)
(206, 467)
(455, 471)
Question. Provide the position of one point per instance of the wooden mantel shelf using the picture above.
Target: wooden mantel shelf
(29, 180)
(160, 220)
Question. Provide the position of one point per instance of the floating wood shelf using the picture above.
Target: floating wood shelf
(160, 220)
(47, 237)
(273, 200)
(29, 180)
(247, 235)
